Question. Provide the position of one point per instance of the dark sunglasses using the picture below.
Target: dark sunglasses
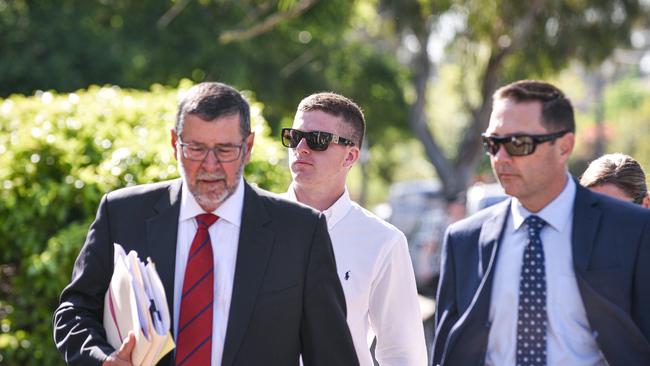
(517, 145)
(316, 140)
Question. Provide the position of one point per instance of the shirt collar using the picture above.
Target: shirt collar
(335, 212)
(338, 210)
(556, 214)
(229, 210)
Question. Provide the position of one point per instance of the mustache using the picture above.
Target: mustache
(211, 176)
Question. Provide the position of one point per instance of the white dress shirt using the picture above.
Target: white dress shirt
(224, 235)
(375, 270)
(569, 337)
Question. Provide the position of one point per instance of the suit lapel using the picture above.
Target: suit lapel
(162, 233)
(488, 245)
(488, 240)
(586, 217)
(255, 246)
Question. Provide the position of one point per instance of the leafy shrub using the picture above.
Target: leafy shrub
(59, 153)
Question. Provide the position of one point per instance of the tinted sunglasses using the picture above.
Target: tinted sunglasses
(316, 140)
(517, 145)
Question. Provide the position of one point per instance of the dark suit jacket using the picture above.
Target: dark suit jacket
(611, 259)
(286, 298)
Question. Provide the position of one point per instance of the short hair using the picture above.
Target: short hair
(339, 106)
(557, 111)
(620, 170)
(211, 100)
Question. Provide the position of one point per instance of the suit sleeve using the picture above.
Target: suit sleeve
(446, 307)
(395, 310)
(78, 331)
(641, 297)
(324, 334)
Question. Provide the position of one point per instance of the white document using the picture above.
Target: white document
(136, 300)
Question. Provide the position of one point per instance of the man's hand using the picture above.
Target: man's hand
(122, 357)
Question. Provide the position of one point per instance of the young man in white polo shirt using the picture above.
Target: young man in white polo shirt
(372, 256)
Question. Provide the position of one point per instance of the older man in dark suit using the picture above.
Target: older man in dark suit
(556, 275)
(250, 278)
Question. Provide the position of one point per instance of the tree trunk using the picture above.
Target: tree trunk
(456, 177)
(418, 117)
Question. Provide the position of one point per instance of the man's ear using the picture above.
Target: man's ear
(351, 157)
(249, 147)
(173, 140)
(566, 144)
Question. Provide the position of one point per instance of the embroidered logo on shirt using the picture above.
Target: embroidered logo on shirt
(347, 275)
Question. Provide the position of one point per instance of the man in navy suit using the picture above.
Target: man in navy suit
(555, 275)
(268, 291)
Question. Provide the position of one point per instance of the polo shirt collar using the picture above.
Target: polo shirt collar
(334, 213)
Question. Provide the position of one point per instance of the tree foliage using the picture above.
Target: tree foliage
(66, 44)
(502, 41)
(627, 119)
(283, 50)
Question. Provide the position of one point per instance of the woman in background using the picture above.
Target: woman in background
(619, 176)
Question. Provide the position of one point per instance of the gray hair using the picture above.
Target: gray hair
(211, 100)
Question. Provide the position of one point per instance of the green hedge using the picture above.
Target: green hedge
(59, 153)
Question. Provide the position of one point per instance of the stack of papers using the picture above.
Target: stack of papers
(135, 300)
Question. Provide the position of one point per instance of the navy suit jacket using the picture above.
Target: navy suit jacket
(286, 297)
(611, 259)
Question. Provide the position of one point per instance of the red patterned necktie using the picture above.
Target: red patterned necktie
(194, 340)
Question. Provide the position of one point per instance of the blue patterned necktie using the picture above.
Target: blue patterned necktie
(532, 319)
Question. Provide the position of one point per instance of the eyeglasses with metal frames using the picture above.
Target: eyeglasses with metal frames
(224, 153)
